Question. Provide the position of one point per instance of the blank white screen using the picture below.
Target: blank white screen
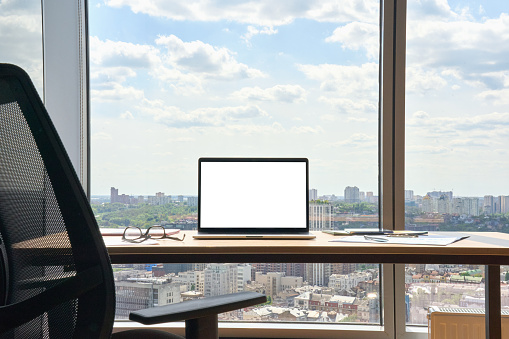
(253, 195)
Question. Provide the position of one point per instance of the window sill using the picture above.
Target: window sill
(271, 330)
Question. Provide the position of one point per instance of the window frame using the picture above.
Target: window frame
(66, 94)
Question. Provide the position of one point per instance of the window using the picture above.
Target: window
(456, 137)
(21, 38)
(172, 84)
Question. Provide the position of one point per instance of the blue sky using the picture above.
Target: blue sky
(172, 81)
(247, 83)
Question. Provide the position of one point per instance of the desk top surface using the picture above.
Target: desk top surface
(491, 247)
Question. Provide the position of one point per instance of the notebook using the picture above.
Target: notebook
(246, 198)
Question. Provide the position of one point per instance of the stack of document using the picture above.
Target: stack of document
(434, 240)
(374, 231)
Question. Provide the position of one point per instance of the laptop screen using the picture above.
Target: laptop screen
(253, 195)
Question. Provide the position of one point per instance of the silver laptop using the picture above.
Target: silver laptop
(246, 198)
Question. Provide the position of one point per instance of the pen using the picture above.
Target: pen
(367, 237)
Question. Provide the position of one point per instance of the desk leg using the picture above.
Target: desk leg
(492, 299)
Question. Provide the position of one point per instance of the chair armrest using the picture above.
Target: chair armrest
(197, 308)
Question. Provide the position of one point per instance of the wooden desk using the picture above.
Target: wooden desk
(490, 249)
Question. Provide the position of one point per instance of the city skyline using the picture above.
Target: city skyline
(316, 194)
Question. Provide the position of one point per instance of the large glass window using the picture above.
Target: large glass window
(172, 82)
(457, 112)
(21, 38)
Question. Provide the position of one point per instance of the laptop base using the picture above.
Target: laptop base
(301, 236)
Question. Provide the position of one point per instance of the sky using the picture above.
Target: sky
(173, 81)
(177, 81)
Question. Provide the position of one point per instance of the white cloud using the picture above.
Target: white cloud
(306, 130)
(356, 140)
(489, 121)
(206, 60)
(349, 89)
(359, 81)
(466, 142)
(482, 47)
(420, 149)
(21, 38)
(102, 136)
(127, 115)
(358, 35)
(362, 120)
(184, 67)
(448, 134)
(422, 81)
(266, 13)
(122, 54)
(253, 31)
(278, 93)
(496, 97)
(272, 129)
(345, 105)
(107, 76)
(432, 10)
(174, 117)
(117, 92)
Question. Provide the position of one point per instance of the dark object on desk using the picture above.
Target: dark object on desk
(374, 231)
(56, 279)
(358, 231)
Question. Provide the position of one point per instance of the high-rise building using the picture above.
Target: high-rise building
(471, 206)
(140, 293)
(342, 268)
(497, 203)
(290, 269)
(113, 195)
(409, 195)
(313, 194)
(192, 201)
(438, 194)
(467, 206)
(123, 198)
(160, 199)
(225, 278)
(352, 194)
(504, 204)
(318, 274)
(489, 205)
(320, 216)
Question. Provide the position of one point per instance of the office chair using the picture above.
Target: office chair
(56, 279)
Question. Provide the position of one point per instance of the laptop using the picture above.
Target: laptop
(253, 198)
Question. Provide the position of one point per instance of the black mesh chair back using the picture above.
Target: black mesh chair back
(55, 275)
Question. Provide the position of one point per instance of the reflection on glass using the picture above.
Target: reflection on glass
(21, 38)
(456, 131)
(295, 292)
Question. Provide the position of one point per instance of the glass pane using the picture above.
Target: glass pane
(457, 111)
(21, 38)
(172, 83)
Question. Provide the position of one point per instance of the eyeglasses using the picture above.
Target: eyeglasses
(136, 235)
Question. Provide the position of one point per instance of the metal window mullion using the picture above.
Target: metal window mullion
(65, 78)
(392, 115)
(392, 152)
